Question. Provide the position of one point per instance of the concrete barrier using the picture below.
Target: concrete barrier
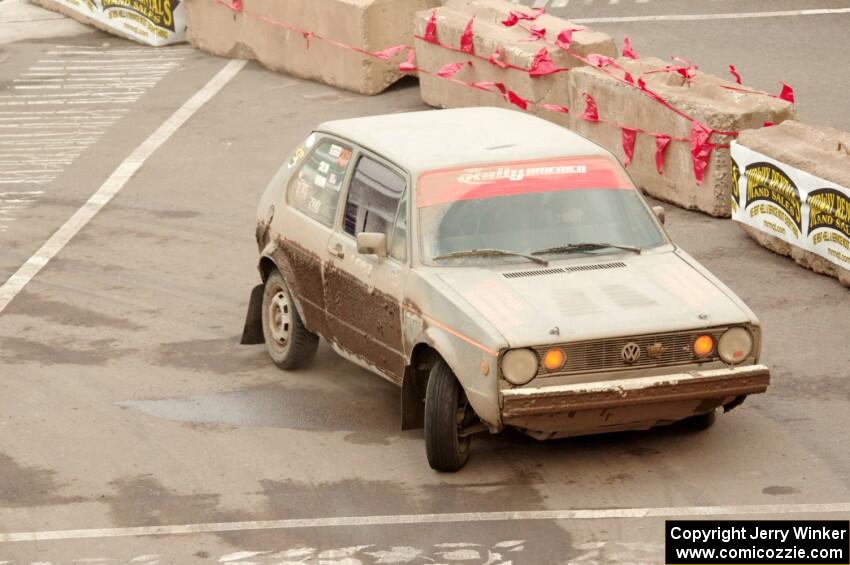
(491, 36)
(271, 31)
(702, 97)
(794, 194)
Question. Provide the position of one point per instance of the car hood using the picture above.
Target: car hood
(598, 297)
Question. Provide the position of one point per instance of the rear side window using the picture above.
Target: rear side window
(373, 204)
(315, 189)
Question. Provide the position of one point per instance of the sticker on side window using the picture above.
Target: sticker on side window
(315, 205)
(320, 181)
(506, 179)
(335, 151)
(344, 158)
(324, 167)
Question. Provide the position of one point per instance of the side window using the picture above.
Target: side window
(373, 204)
(315, 189)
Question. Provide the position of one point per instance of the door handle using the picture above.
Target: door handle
(337, 251)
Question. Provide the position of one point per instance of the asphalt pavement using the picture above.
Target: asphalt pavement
(126, 401)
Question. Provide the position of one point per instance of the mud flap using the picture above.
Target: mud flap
(252, 334)
(413, 400)
(734, 404)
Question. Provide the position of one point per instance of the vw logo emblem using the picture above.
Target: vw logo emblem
(630, 353)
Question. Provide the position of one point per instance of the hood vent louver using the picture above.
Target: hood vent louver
(557, 270)
(595, 267)
(538, 273)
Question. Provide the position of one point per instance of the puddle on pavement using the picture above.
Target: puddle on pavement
(372, 408)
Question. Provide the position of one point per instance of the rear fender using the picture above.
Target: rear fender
(252, 332)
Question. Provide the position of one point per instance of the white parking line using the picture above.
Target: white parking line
(726, 16)
(448, 518)
(106, 77)
(114, 184)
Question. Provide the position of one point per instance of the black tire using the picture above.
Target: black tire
(700, 422)
(446, 412)
(289, 343)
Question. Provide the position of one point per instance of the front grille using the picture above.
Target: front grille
(606, 354)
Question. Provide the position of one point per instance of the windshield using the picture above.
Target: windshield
(531, 207)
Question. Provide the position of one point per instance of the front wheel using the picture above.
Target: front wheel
(447, 412)
(289, 343)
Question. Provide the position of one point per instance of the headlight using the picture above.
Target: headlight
(519, 366)
(735, 345)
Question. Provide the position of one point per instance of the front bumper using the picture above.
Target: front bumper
(640, 402)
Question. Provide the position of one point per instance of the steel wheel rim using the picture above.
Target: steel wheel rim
(280, 317)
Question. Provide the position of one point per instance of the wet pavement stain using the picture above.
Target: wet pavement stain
(144, 501)
(21, 350)
(777, 490)
(370, 417)
(219, 355)
(791, 387)
(639, 451)
(172, 214)
(357, 497)
(286, 499)
(28, 486)
(67, 314)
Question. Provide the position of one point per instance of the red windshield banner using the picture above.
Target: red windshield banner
(524, 177)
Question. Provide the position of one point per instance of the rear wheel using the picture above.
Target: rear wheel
(289, 343)
(700, 421)
(447, 412)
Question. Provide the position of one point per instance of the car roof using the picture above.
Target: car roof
(438, 139)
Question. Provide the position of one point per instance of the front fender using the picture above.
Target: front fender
(467, 359)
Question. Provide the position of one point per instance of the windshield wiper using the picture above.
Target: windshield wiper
(491, 253)
(579, 247)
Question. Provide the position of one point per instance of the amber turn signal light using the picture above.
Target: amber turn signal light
(703, 346)
(554, 359)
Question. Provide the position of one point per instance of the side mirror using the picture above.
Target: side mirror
(660, 213)
(370, 243)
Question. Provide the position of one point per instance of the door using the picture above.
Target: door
(363, 293)
(312, 197)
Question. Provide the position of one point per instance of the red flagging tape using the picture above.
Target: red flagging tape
(661, 143)
(591, 111)
(542, 65)
(452, 69)
(735, 74)
(700, 149)
(515, 16)
(629, 136)
(466, 39)
(431, 28)
(628, 50)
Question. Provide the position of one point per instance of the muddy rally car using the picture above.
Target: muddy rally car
(503, 271)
